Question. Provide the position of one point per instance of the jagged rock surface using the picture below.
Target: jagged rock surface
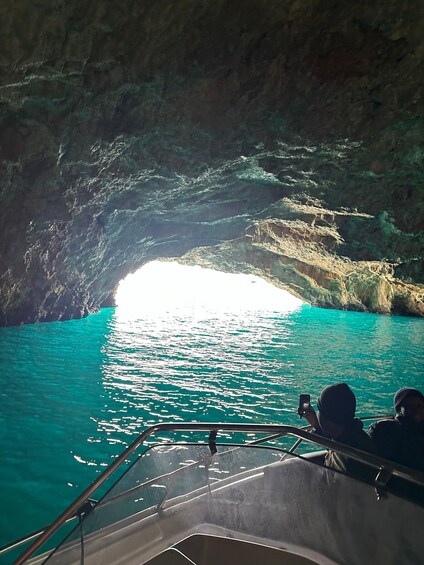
(282, 138)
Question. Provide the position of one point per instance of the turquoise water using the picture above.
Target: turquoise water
(74, 394)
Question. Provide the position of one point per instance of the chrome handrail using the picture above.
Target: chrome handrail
(379, 463)
(21, 541)
(169, 474)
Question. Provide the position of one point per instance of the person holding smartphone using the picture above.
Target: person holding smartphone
(336, 419)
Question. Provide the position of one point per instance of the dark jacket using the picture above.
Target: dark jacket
(400, 441)
(354, 436)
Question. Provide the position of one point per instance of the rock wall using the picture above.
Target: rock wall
(275, 136)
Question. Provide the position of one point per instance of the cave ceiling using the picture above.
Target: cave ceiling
(274, 137)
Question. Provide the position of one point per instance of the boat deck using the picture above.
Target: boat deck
(254, 503)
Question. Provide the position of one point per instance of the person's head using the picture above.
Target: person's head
(409, 402)
(336, 409)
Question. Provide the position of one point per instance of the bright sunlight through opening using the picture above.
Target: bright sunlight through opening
(171, 287)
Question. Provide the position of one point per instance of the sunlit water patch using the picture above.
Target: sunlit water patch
(74, 394)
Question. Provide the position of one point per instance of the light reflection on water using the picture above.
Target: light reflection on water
(252, 368)
(185, 368)
(74, 394)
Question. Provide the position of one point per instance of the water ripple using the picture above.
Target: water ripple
(74, 394)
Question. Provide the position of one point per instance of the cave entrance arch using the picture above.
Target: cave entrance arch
(168, 286)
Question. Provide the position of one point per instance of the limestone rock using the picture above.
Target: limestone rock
(135, 130)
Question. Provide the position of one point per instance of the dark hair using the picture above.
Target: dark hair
(402, 394)
(337, 403)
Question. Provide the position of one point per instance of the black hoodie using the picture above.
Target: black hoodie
(354, 436)
(400, 440)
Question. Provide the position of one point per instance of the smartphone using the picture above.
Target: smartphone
(304, 402)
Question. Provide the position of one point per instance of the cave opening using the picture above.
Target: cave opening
(170, 287)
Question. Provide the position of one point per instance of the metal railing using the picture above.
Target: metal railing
(385, 468)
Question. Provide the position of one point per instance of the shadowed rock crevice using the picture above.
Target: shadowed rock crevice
(281, 138)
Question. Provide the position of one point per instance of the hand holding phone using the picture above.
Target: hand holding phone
(304, 404)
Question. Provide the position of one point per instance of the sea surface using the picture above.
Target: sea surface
(74, 394)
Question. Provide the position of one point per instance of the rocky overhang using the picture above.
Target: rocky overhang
(282, 138)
